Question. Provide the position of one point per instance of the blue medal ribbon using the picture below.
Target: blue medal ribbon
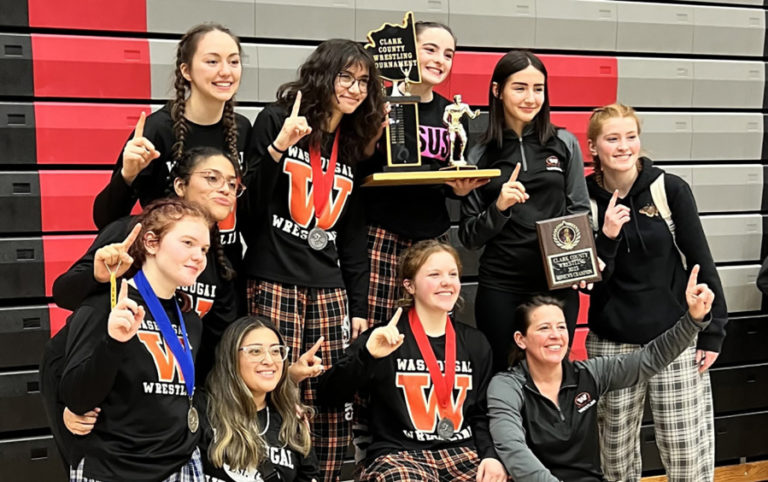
(183, 354)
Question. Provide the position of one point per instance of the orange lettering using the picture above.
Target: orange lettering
(423, 409)
(165, 362)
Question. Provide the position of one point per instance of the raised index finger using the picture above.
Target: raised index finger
(395, 318)
(296, 104)
(614, 198)
(693, 279)
(127, 242)
(515, 173)
(311, 352)
(139, 131)
(123, 291)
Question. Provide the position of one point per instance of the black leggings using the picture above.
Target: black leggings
(495, 310)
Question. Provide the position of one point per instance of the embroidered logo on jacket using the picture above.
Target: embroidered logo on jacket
(583, 401)
(552, 163)
(649, 210)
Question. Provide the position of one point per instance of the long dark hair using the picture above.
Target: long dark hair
(183, 170)
(512, 62)
(184, 53)
(317, 81)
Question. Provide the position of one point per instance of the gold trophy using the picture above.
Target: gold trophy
(393, 47)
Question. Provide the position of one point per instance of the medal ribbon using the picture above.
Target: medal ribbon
(183, 354)
(322, 181)
(443, 383)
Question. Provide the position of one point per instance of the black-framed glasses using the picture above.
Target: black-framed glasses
(257, 352)
(216, 180)
(347, 80)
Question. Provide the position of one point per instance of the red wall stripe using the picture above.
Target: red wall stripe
(59, 253)
(91, 67)
(574, 80)
(66, 199)
(126, 15)
(73, 133)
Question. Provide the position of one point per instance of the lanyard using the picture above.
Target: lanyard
(322, 181)
(183, 354)
(443, 383)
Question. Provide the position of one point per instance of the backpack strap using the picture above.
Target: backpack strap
(659, 196)
(593, 211)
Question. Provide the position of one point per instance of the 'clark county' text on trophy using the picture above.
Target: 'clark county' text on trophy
(568, 250)
(394, 50)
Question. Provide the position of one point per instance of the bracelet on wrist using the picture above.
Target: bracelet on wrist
(279, 151)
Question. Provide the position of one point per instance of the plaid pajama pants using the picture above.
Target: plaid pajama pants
(681, 403)
(192, 471)
(446, 465)
(303, 315)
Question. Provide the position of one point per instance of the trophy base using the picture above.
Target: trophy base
(427, 177)
(405, 168)
(459, 167)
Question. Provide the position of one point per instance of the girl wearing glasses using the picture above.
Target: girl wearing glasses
(306, 259)
(427, 377)
(253, 424)
(205, 176)
(201, 114)
(136, 361)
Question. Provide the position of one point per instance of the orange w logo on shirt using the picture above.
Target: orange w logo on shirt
(423, 409)
(300, 196)
(165, 362)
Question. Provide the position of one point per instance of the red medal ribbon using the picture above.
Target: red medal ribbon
(443, 383)
(322, 181)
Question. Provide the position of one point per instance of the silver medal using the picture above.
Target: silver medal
(193, 420)
(317, 239)
(445, 428)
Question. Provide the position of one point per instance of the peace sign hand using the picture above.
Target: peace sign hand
(698, 296)
(616, 215)
(138, 153)
(294, 127)
(512, 192)
(126, 317)
(114, 258)
(385, 339)
(309, 365)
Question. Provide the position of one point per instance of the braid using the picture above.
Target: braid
(230, 130)
(222, 262)
(180, 127)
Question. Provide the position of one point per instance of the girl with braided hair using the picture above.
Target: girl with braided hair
(207, 76)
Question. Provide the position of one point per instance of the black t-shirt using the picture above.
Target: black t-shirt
(415, 212)
(213, 298)
(117, 198)
(402, 407)
(285, 464)
(280, 209)
(141, 433)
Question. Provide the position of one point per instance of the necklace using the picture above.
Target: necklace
(266, 425)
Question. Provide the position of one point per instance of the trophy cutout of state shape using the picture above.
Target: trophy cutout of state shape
(395, 52)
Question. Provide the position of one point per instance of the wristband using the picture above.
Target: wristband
(279, 151)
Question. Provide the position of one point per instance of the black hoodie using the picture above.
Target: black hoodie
(643, 289)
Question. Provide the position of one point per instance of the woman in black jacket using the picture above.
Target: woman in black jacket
(542, 176)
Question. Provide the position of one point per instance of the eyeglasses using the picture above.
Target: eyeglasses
(347, 80)
(216, 180)
(257, 352)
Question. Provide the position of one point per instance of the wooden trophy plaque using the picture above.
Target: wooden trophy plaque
(568, 250)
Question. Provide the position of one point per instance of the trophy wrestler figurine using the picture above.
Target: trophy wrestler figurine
(452, 118)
